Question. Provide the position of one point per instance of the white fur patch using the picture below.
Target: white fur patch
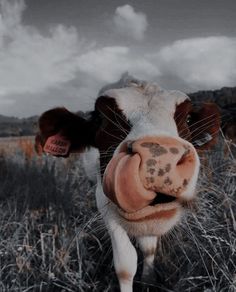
(149, 108)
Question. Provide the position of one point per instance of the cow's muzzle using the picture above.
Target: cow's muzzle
(150, 171)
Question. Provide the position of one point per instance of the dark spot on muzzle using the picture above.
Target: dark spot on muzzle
(174, 150)
(161, 172)
(150, 180)
(185, 182)
(168, 181)
(154, 148)
(168, 167)
(151, 162)
(151, 171)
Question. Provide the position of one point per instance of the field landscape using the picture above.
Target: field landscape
(53, 239)
(67, 54)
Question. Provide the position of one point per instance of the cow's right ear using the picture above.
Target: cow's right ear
(62, 132)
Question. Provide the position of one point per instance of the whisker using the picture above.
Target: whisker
(117, 125)
(200, 121)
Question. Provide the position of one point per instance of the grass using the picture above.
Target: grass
(53, 239)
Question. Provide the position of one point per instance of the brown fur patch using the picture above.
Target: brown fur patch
(206, 119)
(149, 252)
(124, 276)
(181, 114)
(79, 131)
(111, 132)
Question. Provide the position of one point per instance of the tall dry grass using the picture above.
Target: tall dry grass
(53, 239)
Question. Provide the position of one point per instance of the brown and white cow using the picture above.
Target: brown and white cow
(148, 140)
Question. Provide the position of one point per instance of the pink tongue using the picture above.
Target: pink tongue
(57, 145)
(122, 184)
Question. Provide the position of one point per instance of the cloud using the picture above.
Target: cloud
(107, 64)
(29, 61)
(11, 14)
(201, 63)
(34, 65)
(60, 68)
(130, 23)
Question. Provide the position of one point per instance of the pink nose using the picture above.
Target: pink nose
(146, 167)
(167, 164)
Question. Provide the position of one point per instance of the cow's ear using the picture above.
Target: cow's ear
(62, 132)
(205, 126)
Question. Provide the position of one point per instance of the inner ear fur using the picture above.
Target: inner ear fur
(79, 131)
(207, 120)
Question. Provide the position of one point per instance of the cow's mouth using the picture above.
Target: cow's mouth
(162, 199)
(149, 176)
(155, 211)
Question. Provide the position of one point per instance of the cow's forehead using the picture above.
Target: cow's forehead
(146, 98)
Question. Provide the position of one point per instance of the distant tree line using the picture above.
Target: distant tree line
(224, 97)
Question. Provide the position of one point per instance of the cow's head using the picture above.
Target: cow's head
(148, 139)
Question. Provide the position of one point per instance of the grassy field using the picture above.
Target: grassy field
(53, 239)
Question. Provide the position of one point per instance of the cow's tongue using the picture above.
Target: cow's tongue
(122, 184)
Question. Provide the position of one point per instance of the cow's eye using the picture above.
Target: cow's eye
(189, 119)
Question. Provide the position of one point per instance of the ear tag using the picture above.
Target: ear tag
(204, 140)
(57, 145)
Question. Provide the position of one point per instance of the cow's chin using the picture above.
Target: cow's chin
(162, 211)
(152, 220)
(157, 219)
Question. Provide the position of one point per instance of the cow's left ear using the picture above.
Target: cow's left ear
(205, 126)
(62, 132)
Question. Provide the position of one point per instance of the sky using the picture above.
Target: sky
(61, 52)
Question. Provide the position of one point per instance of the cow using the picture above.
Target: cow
(148, 140)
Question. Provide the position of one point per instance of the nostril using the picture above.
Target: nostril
(130, 147)
(127, 147)
(182, 160)
(184, 157)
